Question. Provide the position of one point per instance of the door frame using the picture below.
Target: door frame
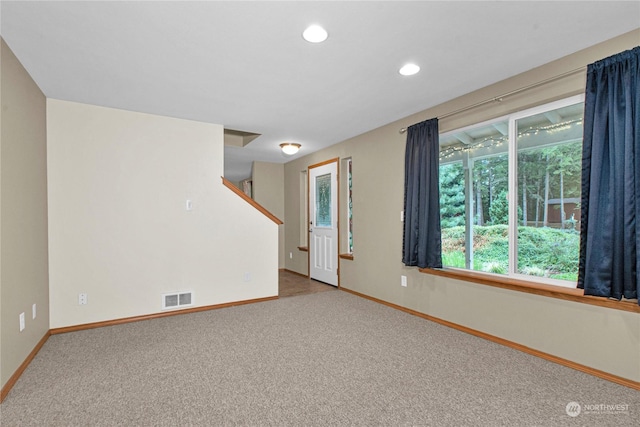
(335, 160)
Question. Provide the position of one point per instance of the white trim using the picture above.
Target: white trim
(512, 195)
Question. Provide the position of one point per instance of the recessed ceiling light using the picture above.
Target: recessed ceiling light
(315, 34)
(409, 69)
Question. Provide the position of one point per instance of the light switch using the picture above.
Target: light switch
(189, 205)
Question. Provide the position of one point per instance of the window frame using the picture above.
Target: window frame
(512, 154)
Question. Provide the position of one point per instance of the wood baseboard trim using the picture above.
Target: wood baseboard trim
(4, 392)
(296, 273)
(559, 360)
(124, 320)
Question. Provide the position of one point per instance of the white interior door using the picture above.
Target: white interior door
(323, 223)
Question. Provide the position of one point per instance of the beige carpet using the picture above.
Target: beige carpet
(329, 358)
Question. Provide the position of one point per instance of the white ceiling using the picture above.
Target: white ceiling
(246, 66)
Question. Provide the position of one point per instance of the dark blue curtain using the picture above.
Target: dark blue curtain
(422, 245)
(610, 217)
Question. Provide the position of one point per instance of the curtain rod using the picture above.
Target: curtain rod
(513, 92)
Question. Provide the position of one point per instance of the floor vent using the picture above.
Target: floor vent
(176, 300)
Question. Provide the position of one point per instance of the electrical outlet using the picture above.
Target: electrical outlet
(246, 277)
(403, 281)
(33, 311)
(290, 255)
(188, 205)
(22, 326)
(82, 299)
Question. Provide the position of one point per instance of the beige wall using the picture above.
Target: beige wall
(268, 190)
(23, 214)
(582, 333)
(118, 227)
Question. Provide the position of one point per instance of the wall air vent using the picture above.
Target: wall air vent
(177, 300)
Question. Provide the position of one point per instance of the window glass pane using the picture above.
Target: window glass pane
(491, 214)
(323, 200)
(474, 208)
(452, 214)
(549, 168)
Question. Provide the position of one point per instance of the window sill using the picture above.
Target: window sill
(303, 248)
(346, 256)
(568, 294)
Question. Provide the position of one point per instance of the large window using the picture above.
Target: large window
(510, 194)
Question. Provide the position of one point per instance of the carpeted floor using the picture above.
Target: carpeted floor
(328, 358)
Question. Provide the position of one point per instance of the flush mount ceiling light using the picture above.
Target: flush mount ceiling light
(409, 69)
(289, 148)
(315, 34)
